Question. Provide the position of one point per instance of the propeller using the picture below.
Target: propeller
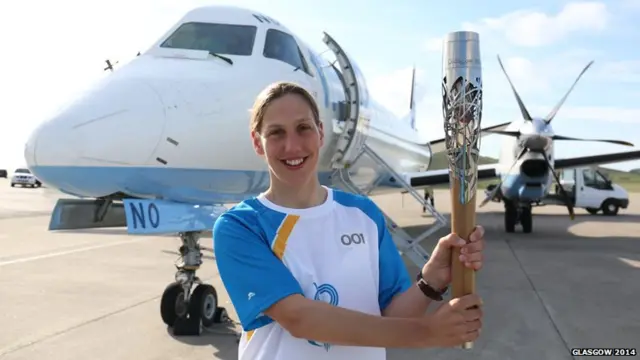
(523, 109)
(517, 135)
(565, 195)
(495, 190)
(554, 111)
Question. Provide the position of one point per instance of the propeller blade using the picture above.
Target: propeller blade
(553, 112)
(567, 200)
(497, 188)
(523, 109)
(619, 142)
(503, 132)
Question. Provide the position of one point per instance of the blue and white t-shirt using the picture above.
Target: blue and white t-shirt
(339, 252)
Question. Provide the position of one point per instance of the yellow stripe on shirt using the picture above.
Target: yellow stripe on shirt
(280, 243)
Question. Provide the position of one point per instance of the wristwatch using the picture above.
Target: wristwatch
(428, 290)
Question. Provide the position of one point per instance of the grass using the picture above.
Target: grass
(628, 180)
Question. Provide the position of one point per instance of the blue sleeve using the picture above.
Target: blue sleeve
(394, 277)
(251, 273)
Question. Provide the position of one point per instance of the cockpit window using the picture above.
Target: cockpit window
(282, 46)
(216, 38)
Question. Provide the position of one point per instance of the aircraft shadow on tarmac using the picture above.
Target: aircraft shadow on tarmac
(221, 337)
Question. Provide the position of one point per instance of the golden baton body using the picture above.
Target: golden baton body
(462, 112)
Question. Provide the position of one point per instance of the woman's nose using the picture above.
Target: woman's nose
(293, 143)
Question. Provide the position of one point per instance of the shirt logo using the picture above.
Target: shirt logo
(328, 294)
(352, 239)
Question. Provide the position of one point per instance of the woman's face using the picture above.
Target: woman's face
(290, 140)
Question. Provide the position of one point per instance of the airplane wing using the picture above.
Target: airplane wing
(440, 146)
(441, 176)
(490, 171)
(596, 159)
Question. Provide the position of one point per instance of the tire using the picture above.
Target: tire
(171, 307)
(610, 208)
(204, 303)
(526, 220)
(510, 217)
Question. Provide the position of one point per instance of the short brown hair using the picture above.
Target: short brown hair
(274, 92)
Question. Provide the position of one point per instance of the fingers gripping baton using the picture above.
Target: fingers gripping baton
(462, 112)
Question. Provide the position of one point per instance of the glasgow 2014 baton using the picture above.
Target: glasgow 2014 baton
(462, 111)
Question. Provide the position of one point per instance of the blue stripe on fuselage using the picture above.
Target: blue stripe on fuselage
(514, 187)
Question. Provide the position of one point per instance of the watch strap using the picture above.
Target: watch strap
(428, 290)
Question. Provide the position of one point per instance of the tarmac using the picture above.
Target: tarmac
(94, 294)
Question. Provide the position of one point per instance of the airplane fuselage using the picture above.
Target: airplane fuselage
(174, 122)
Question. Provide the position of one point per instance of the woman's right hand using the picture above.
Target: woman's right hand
(456, 322)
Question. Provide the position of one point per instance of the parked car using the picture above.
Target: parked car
(24, 177)
(3, 173)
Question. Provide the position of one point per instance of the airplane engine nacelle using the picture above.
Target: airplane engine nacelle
(357, 113)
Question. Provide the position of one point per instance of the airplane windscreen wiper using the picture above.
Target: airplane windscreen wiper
(221, 57)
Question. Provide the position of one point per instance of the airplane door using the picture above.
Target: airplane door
(588, 192)
(351, 142)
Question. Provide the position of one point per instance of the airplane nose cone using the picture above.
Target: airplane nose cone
(118, 123)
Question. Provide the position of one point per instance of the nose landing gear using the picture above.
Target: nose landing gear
(185, 311)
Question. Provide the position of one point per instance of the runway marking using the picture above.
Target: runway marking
(73, 251)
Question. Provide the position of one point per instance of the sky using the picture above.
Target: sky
(56, 49)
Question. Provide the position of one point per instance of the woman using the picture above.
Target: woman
(313, 272)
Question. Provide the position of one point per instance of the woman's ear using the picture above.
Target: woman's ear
(256, 139)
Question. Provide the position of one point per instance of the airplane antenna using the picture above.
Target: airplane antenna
(109, 65)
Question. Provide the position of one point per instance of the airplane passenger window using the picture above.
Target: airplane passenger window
(223, 39)
(282, 46)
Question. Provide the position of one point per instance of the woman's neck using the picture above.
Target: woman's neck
(307, 196)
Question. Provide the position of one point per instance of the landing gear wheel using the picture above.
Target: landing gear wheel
(610, 208)
(526, 220)
(172, 304)
(510, 217)
(427, 197)
(204, 301)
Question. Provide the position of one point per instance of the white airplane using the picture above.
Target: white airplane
(163, 141)
(528, 164)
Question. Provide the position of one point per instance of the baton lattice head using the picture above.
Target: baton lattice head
(462, 112)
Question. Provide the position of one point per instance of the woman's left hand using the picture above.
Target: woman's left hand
(437, 271)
